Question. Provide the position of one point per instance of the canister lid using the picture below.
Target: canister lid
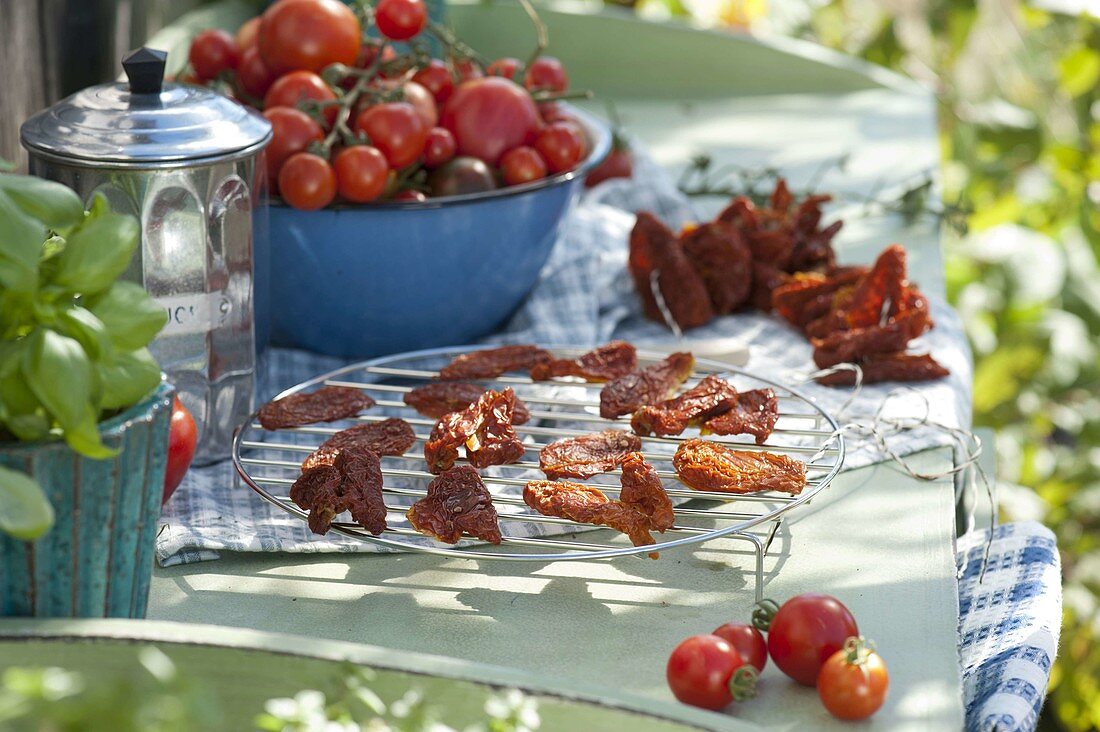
(145, 122)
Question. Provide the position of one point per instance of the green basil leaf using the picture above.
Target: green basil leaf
(96, 253)
(22, 413)
(84, 326)
(131, 317)
(54, 204)
(127, 378)
(25, 512)
(22, 237)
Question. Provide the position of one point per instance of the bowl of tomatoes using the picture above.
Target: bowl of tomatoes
(416, 194)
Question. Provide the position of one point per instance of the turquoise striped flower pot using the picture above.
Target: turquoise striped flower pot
(97, 559)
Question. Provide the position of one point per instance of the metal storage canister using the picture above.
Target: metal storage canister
(188, 163)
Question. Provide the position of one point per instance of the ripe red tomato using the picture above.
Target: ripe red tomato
(546, 74)
(297, 86)
(396, 129)
(853, 682)
(182, 436)
(253, 75)
(248, 35)
(292, 131)
(309, 35)
(619, 163)
(436, 78)
(805, 631)
(507, 67)
(400, 20)
(439, 148)
(360, 173)
(705, 671)
(307, 182)
(490, 116)
(562, 145)
(212, 52)
(748, 641)
(522, 164)
(468, 69)
(415, 94)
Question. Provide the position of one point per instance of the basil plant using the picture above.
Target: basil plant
(72, 338)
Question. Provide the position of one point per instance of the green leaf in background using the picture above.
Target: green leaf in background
(127, 378)
(1079, 71)
(81, 324)
(25, 513)
(131, 317)
(60, 374)
(54, 204)
(96, 253)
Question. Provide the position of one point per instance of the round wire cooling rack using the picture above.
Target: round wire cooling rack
(270, 461)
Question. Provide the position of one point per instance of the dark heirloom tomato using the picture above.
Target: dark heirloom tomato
(400, 20)
(522, 165)
(308, 34)
(307, 182)
(292, 131)
(253, 75)
(396, 129)
(461, 175)
(506, 67)
(546, 73)
(489, 117)
(439, 148)
(748, 641)
(297, 86)
(705, 671)
(562, 145)
(212, 52)
(360, 173)
(805, 631)
(436, 78)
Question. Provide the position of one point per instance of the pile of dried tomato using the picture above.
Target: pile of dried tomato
(781, 258)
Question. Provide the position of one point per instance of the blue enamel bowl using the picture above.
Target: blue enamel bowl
(364, 281)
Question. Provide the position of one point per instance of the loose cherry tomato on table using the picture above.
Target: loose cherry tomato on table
(248, 35)
(291, 132)
(507, 67)
(307, 182)
(212, 52)
(804, 632)
(396, 129)
(853, 682)
(253, 75)
(489, 117)
(562, 145)
(360, 173)
(706, 671)
(400, 20)
(436, 78)
(182, 436)
(546, 74)
(439, 148)
(748, 641)
(297, 86)
(619, 163)
(308, 35)
(522, 164)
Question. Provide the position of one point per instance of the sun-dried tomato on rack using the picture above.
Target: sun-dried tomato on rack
(609, 361)
(712, 396)
(327, 404)
(588, 505)
(457, 503)
(438, 398)
(650, 385)
(708, 466)
(391, 436)
(484, 428)
(490, 363)
(587, 455)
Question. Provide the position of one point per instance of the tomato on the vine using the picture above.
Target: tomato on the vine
(292, 131)
(507, 67)
(212, 52)
(182, 436)
(748, 641)
(248, 35)
(309, 35)
(361, 173)
(400, 20)
(853, 682)
(706, 671)
(307, 182)
(439, 148)
(562, 145)
(396, 129)
(490, 116)
(546, 73)
(805, 631)
(468, 70)
(522, 164)
(436, 78)
(415, 94)
(253, 75)
(298, 86)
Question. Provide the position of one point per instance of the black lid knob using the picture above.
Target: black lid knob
(145, 70)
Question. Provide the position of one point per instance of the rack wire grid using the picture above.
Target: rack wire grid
(269, 462)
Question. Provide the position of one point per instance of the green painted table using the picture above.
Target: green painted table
(879, 540)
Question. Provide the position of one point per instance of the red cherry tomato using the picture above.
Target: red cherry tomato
(253, 75)
(292, 131)
(618, 164)
(507, 67)
(415, 94)
(704, 671)
(307, 182)
(853, 682)
(248, 35)
(410, 195)
(439, 148)
(468, 70)
(360, 173)
(805, 631)
(522, 165)
(748, 641)
(490, 116)
(562, 145)
(309, 35)
(400, 20)
(436, 78)
(212, 52)
(182, 436)
(297, 86)
(555, 112)
(547, 74)
(396, 129)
